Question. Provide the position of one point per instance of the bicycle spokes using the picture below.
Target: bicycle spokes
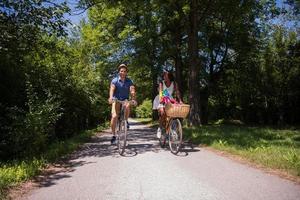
(175, 135)
(122, 134)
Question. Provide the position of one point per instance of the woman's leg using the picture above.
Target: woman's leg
(161, 124)
(162, 117)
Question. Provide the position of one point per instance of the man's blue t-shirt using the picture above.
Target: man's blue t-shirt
(122, 88)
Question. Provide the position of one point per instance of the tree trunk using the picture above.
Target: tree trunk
(194, 93)
(204, 94)
(178, 61)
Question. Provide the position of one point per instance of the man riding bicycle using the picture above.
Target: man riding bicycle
(120, 88)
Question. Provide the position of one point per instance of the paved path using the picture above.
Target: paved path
(148, 172)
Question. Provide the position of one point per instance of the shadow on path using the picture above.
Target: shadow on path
(141, 139)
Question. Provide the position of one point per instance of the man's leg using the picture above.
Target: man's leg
(127, 110)
(127, 113)
(113, 123)
(114, 116)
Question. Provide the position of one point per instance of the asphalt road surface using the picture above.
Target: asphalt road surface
(146, 171)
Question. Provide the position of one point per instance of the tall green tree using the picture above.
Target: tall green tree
(215, 46)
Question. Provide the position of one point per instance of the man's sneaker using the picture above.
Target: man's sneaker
(113, 140)
(158, 133)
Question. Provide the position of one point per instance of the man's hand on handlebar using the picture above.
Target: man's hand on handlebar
(133, 102)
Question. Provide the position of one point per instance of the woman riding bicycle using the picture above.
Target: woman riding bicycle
(167, 88)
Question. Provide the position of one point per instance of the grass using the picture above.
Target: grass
(14, 172)
(269, 147)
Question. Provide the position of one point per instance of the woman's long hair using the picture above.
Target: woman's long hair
(170, 76)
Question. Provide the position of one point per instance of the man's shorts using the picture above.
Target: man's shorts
(115, 108)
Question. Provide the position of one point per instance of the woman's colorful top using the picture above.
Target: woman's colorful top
(166, 96)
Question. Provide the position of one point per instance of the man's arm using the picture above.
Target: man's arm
(111, 93)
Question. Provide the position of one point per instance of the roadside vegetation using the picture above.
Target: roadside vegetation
(19, 170)
(274, 148)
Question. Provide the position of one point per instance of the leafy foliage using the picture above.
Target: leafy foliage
(145, 109)
(48, 90)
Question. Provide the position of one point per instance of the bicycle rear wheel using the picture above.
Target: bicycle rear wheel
(175, 135)
(122, 136)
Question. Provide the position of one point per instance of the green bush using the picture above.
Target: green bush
(145, 109)
(30, 131)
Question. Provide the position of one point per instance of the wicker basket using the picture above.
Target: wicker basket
(177, 110)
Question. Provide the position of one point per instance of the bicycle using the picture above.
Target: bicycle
(173, 127)
(121, 127)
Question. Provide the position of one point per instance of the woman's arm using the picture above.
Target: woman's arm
(160, 91)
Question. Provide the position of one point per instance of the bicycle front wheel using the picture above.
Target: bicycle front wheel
(122, 136)
(175, 135)
(163, 138)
